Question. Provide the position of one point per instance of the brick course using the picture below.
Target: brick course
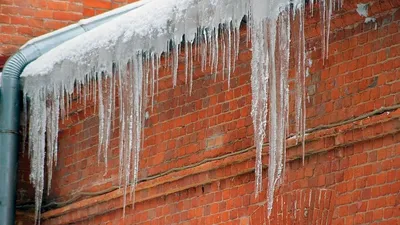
(197, 164)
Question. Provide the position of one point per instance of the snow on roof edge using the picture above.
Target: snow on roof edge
(146, 28)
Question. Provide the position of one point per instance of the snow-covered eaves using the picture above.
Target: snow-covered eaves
(147, 28)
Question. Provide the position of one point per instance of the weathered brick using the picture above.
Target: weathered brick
(48, 14)
(67, 16)
(101, 4)
(57, 5)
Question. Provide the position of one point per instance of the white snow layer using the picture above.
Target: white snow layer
(123, 56)
(362, 10)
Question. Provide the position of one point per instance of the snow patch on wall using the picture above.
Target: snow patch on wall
(362, 10)
(370, 19)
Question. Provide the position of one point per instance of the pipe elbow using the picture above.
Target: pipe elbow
(14, 66)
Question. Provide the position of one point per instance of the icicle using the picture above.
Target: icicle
(216, 52)
(191, 69)
(127, 148)
(158, 57)
(108, 119)
(37, 128)
(168, 54)
(329, 26)
(284, 53)
(229, 54)
(95, 91)
(145, 69)
(122, 131)
(175, 68)
(270, 65)
(62, 103)
(212, 51)
(113, 96)
(210, 48)
(68, 105)
(326, 13)
(312, 6)
(249, 24)
(259, 84)
(52, 114)
(234, 48)
(85, 92)
(153, 80)
(196, 48)
(186, 60)
(101, 119)
(204, 51)
(25, 124)
(237, 43)
(300, 83)
(138, 115)
(274, 104)
(223, 55)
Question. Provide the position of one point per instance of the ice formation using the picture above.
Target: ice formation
(362, 10)
(121, 58)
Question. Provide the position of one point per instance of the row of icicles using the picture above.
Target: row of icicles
(136, 84)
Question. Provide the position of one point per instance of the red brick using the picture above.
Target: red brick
(53, 24)
(25, 31)
(48, 14)
(4, 19)
(19, 20)
(7, 29)
(102, 4)
(75, 7)
(57, 5)
(67, 16)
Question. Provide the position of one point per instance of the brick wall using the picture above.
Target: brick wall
(197, 165)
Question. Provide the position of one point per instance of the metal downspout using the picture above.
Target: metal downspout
(10, 97)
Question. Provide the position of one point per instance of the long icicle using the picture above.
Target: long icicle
(300, 83)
